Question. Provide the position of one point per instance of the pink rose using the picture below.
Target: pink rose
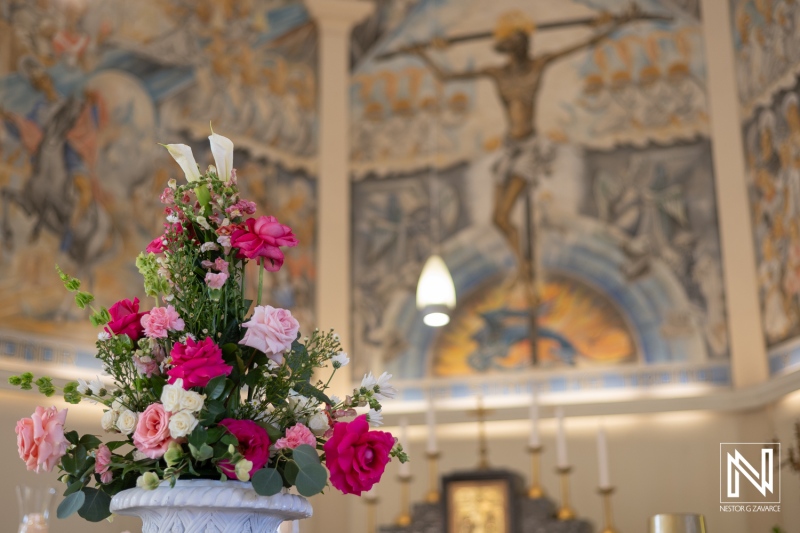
(160, 321)
(40, 438)
(125, 319)
(148, 367)
(197, 363)
(156, 246)
(216, 281)
(295, 436)
(271, 331)
(253, 444)
(355, 456)
(263, 237)
(152, 432)
(102, 460)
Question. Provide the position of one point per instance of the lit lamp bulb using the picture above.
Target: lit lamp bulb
(436, 293)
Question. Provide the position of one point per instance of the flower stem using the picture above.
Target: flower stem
(260, 279)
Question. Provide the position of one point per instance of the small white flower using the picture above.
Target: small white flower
(299, 404)
(384, 391)
(369, 381)
(126, 422)
(206, 246)
(340, 359)
(335, 400)
(172, 218)
(169, 297)
(375, 418)
(181, 424)
(336, 337)
(192, 401)
(83, 387)
(171, 396)
(117, 406)
(109, 420)
(201, 220)
(318, 424)
(172, 184)
(103, 336)
(97, 386)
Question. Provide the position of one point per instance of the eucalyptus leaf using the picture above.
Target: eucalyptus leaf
(267, 482)
(70, 504)
(96, 506)
(73, 488)
(311, 480)
(290, 472)
(304, 455)
(198, 437)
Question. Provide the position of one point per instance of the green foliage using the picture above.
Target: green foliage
(71, 504)
(96, 505)
(267, 482)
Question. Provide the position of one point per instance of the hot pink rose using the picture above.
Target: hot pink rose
(355, 456)
(126, 319)
(156, 246)
(152, 432)
(197, 363)
(40, 438)
(271, 331)
(160, 321)
(102, 460)
(216, 281)
(295, 436)
(263, 237)
(253, 444)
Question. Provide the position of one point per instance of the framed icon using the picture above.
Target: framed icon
(482, 502)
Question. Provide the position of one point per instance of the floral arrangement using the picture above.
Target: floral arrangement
(195, 388)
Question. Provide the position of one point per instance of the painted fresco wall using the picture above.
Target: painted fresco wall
(610, 143)
(768, 63)
(88, 88)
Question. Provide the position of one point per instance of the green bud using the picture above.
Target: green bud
(231, 449)
(15, 380)
(148, 481)
(174, 454)
(243, 469)
(71, 386)
(82, 299)
(101, 317)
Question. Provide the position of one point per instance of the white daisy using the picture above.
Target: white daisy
(375, 418)
(340, 359)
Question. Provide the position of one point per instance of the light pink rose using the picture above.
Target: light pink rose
(160, 320)
(147, 367)
(216, 281)
(152, 432)
(40, 438)
(271, 331)
(102, 460)
(295, 436)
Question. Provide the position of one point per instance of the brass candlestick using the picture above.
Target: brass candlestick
(433, 481)
(483, 444)
(372, 512)
(608, 517)
(535, 491)
(565, 512)
(404, 518)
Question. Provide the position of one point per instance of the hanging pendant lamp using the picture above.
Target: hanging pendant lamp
(436, 293)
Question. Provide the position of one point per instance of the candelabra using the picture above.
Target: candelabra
(565, 512)
(608, 517)
(404, 518)
(433, 481)
(535, 491)
(372, 511)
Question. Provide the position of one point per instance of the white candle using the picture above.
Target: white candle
(561, 440)
(431, 419)
(534, 441)
(602, 459)
(405, 468)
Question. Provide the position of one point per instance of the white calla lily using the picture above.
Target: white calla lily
(222, 148)
(182, 154)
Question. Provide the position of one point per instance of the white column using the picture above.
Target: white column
(749, 364)
(335, 19)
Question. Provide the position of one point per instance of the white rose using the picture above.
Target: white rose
(318, 424)
(171, 397)
(126, 422)
(117, 406)
(192, 401)
(109, 420)
(181, 424)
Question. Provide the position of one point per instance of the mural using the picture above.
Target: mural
(558, 157)
(88, 88)
(768, 65)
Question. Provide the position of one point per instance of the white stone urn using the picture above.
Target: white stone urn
(209, 506)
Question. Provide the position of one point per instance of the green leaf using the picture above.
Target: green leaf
(267, 482)
(96, 506)
(116, 444)
(273, 432)
(304, 455)
(68, 463)
(290, 472)
(81, 455)
(73, 488)
(72, 437)
(203, 453)
(215, 388)
(212, 413)
(198, 437)
(70, 504)
(157, 387)
(90, 442)
(229, 439)
(311, 480)
(214, 434)
(307, 389)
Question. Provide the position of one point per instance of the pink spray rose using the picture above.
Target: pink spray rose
(355, 456)
(102, 460)
(295, 436)
(156, 246)
(152, 432)
(253, 444)
(271, 331)
(160, 321)
(125, 319)
(40, 438)
(216, 281)
(197, 362)
(263, 237)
